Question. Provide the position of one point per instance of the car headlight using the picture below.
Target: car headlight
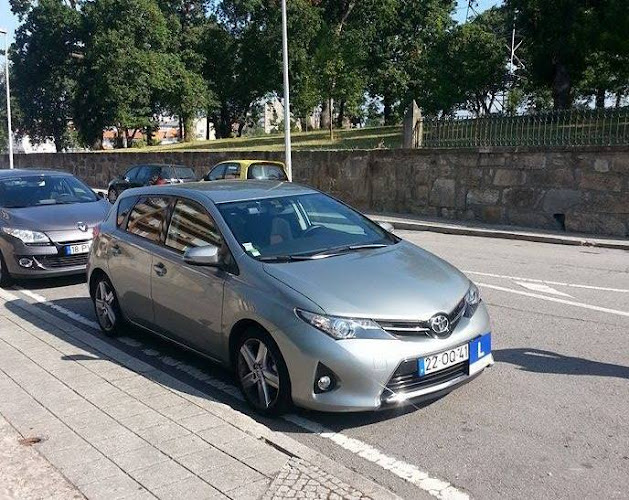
(472, 299)
(344, 328)
(26, 236)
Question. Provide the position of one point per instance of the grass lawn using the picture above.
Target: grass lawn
(364, 138)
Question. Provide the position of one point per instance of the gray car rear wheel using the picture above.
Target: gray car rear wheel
(106, 306)
(262, 373)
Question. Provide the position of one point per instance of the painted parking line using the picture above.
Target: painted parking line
(556, 299)
(547, 282)
(410, 473)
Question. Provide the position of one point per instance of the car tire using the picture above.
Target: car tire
(106, 307)
(262, 373)
(112, 195)
(5, 277)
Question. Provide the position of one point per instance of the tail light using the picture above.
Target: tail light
(160, 181)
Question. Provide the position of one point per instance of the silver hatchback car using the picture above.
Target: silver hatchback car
(306, 299)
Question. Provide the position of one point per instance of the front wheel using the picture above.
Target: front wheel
(262, 373)
(106, 307)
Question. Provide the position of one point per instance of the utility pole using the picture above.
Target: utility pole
(287, 144)
(6, 69)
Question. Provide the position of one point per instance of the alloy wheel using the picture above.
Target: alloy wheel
(259, 378)
(105, 306)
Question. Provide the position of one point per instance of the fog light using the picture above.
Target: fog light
(325, 380)
(324, 383)
(25, 262)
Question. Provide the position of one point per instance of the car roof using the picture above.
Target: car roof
(16, 172)
(157, 165)
(248, 163)
(227, 190)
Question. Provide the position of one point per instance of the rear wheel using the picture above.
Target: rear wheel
(262, 373)
(106, 306)
(112, 195)
(5, 277)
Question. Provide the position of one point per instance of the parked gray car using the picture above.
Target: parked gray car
(46, 222)
(306, 299)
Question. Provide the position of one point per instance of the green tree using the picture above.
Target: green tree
(45, 71)
(562, 38)
(126, 74)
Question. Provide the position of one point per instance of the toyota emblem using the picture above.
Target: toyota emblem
(82, 226)
(440, 325)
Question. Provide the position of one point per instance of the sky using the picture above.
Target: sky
(9, 21)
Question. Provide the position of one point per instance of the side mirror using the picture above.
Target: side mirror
(202, 256)
(101, 195)
(387, 226)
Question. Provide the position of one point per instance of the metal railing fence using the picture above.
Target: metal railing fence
(575, 127)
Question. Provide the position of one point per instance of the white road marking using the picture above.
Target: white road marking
(556, 299)
(406, 471)
(66, 312)
(556, 283)
(541, 287)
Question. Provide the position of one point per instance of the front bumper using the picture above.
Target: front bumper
(368, 371)
(47, 261)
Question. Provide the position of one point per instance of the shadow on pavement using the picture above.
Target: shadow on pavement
(540, 361)
(168, 358)
(47, 283)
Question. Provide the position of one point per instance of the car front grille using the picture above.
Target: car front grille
(406, 378)
(57, 261)
(413, 328)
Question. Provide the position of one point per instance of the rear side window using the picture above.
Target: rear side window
(190, 227)
(124, 207)
(232, 171)
(132, 174)
(266, 171)
(216, 173)
(148, 218)
(183, 173)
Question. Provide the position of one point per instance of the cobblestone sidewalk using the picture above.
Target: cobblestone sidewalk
(116, 427)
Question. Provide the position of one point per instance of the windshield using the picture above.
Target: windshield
(39, 190)
(300, 226)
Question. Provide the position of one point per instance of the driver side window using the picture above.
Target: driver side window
(190, 227)
(216, 173)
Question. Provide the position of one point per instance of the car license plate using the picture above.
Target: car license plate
(78, 248)
(444, 359)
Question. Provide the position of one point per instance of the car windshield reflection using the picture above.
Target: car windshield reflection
(43, 190)
(302, 227)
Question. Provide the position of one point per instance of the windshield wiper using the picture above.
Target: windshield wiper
(286, 258)
(348, 248)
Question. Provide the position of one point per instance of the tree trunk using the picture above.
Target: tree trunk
(325, 114)
(600, 98)
(562, 88)
(125, 143)
(241, 126)
(207, 127)
(341, 116)
(618, 99)
(188, 129)
(387, 101)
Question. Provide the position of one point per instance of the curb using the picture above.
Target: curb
(225, 412)
(553, 238)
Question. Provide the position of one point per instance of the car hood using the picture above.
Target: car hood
(400, 281)
(55, 217)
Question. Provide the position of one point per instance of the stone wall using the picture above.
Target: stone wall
(581, 190)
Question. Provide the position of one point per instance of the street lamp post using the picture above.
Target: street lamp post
(287, 145)
(6, 69)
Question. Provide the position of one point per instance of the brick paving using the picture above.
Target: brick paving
(111, 428)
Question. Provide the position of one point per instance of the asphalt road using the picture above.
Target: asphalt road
(549, 420)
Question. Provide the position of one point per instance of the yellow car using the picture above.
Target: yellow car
(247, 169)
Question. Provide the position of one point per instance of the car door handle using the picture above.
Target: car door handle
(115, 249)
(160, 269)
